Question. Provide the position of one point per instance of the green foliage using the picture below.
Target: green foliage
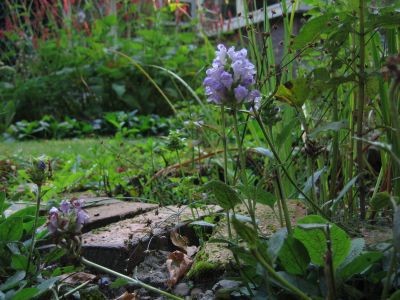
(311, 233)
(225, 196)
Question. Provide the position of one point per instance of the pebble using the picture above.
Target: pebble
(181, 289)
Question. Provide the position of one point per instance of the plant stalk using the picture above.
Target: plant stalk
(360, 110)
(38, 198)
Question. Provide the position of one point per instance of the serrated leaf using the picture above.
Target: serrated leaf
(294, 256)
(359, 264)
(226, 197)
(314, 239)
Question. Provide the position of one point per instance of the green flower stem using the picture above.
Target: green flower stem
(285, 171)
(224, 144)
(242, 168)
(274, 275)
(360, 111)
(132, 280)
(38, 198)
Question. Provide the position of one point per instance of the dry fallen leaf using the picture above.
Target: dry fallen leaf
(178, 263)
(128, 296)
(77, 278)
(178, 240)
(182, 242)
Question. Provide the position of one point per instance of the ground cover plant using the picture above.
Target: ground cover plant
(320, 127)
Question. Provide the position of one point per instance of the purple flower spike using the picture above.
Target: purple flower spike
(231, 78)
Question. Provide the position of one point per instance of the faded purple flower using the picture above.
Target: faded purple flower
(70, 217)
(65, 206)
(231, 78)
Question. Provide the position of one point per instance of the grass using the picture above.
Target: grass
(51, 148)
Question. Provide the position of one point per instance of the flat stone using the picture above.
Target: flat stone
(122, 245)
(104, 211)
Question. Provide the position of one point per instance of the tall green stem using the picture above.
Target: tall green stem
(360, 110)
(285, 171)
(35, 222)
(278, 177)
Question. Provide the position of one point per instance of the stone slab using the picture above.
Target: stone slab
(122, 245)
(104, 211)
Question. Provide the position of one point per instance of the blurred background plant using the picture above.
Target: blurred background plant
(56, 60)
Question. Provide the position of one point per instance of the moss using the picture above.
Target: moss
(202, 268)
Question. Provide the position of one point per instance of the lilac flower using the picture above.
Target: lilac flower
(230, 79)
(69, 218)
(64, 207)
(240, 93)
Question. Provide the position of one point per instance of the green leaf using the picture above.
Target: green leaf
(294, 93)
(55, 255)
(226, 197)
(276, 242)
(314, 239)
(46, 285)
(19, 262)
(311, 31)
(332, 126)
(343, 192)
(27, 293)
(264, 151)
(311, 181)
(11, 229)
(359, 264)
(12, 281)
(380, 200)
(246, 232)
(259, 194)
(119, 89)
(294, 257)
(356, 248)
(3, 204)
